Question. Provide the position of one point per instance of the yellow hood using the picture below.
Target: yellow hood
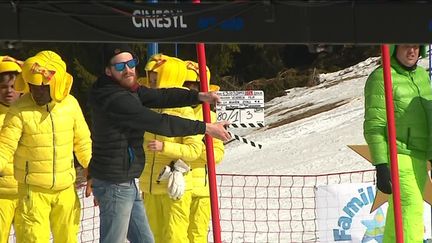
(193, 71)
(192, 75)
(171, 70)
(9, 64)
(45, 68)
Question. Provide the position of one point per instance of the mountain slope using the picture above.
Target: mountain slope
(307, 130)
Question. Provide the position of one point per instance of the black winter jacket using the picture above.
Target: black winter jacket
(119, 119)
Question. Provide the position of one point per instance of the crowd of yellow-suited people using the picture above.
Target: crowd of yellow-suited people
(149, 128)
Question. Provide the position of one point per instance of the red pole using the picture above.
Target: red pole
(392, 143)
(209, 144)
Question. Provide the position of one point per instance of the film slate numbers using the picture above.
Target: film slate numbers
(241, 108)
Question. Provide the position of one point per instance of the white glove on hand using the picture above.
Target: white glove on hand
(176, 182)
(176, 185)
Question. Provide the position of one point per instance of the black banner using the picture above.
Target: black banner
(291, 22)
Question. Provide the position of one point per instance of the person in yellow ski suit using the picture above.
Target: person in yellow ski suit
(9, 70)
(167, 202)
(41, 132)
(200, 205)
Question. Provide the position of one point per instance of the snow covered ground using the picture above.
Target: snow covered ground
(307, 130)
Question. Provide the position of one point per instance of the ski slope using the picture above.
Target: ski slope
(307, 130)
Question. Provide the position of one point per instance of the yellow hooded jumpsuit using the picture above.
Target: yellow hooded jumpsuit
(168, 218)
(200, 205)
(41, 140)
(8, 184)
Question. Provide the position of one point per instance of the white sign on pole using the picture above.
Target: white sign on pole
(241, 108)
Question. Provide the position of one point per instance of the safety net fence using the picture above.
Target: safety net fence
(253, 208)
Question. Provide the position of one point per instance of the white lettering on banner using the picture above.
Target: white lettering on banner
(158, 19)
(343, 214)
(351, 209)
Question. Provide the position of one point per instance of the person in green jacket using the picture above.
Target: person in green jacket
(412, 97)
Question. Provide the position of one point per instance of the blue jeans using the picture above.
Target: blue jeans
(122, 213)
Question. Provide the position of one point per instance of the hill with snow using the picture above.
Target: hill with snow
(307, 130)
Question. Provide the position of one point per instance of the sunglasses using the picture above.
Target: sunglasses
(120, 66)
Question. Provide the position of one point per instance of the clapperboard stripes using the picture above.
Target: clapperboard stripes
(243, 109)
(246, 125)
(244, 140)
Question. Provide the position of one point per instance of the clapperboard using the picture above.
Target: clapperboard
(243, 109)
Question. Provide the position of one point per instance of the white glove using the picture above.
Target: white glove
(181, 166)
(176, 182)
(164, 174)
(176, 185)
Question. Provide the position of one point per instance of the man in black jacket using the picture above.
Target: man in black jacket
(121, 114)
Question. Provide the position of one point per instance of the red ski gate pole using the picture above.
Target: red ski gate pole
(392, 143)
(209, 144)
(209, 148)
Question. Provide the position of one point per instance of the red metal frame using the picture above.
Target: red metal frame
(394, 170)
(209, 144)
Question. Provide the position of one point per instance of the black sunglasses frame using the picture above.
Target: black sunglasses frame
(120, 66)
